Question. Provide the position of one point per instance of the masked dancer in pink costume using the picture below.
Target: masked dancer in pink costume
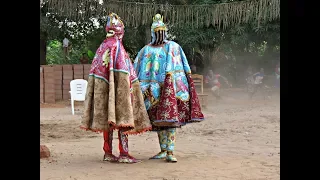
(113, 98)
(167, 86)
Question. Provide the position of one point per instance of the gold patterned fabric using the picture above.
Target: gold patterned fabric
(105, 108)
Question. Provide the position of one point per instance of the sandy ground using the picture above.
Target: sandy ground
(240, 140)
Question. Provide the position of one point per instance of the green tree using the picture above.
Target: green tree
(208, 45)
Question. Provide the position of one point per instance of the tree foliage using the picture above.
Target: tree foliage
(206, 13)
(207, 46)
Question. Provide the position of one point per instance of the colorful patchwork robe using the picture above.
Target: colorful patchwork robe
(167, 86)
(113, 97)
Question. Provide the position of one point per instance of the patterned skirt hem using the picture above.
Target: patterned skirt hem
(130, 129)
(136, 132)
(175, 125)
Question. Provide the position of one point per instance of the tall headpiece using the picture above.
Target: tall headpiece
(115, 26)
(158, 30)
(158, 24)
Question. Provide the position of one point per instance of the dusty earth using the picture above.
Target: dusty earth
(240, 140)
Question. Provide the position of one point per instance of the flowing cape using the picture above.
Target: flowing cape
(113, 97)
(166, 83)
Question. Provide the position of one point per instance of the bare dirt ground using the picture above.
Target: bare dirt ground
(239, 140)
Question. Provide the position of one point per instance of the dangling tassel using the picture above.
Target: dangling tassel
(107, 146)
(124, 149)
(171, 139)
(162, 136)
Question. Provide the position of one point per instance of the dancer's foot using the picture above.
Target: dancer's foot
(110, 158)
(160, 155)
(171, 158)
(127, 159)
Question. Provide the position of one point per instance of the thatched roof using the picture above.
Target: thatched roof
(135, 14)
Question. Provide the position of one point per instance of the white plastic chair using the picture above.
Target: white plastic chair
(78, 91)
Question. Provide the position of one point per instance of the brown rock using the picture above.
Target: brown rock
(44, 151)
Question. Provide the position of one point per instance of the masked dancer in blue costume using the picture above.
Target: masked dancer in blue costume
(167, 86)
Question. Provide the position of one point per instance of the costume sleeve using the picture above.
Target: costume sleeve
(184, 61)
(111, 56)
(137, 60)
